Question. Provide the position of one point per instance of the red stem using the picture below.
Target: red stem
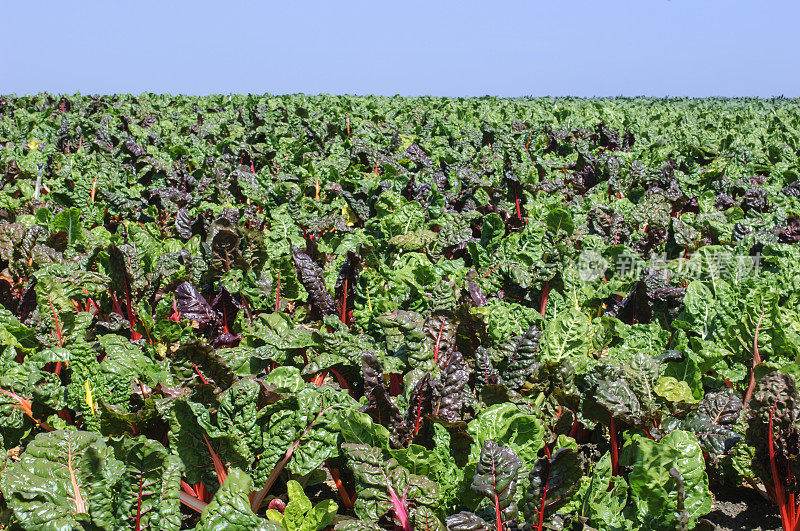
(343, 313)
(192, 502)
(497, 514)
(612, 428)
(129, 308)
(202, 491)
(436, 346)
(756, 360)
(319, 379)
(343, 382)
(347, 500)
(541, 507)
(188, 489)
(418, 415)
(90, 301)
(780, 494)
(545, 296)
(574, 427)
(58, 324)
(202, 378)
(490, 270)
(219, 468)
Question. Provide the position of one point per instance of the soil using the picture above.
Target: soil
(742, 509)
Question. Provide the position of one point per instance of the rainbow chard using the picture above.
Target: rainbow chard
(379, 406)
(712, 422)
(553, 481)
(345, 288)
(382, 409)
(384, 487)
(523, 360)
(216, 319)
(625, 398)
(495, 479)
(69, 479)
(448, 389)
(126, 283)
(310, 275)
(774, 430)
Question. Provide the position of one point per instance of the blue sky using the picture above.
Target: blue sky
(437, 47)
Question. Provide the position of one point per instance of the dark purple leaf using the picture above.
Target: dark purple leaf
(552, 483)
(227, 307)
(133, 149)
(447, 390)
(183, 224)
(345, 289)
(440, 328)
(420, 404)
(496, 478)
(310, 276)
(476, 294)
(380, 407)
(193, 305)
(524, 360)
(467, 521)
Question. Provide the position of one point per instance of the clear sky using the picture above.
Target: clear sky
(409, 47)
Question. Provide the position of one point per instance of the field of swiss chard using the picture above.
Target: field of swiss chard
(364, 313)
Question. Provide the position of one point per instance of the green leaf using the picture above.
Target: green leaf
(286, 379)
(559, 219)
(50, 488)
(299, 514)
(492, 231)
(567, 337)
(605, 499)
(358, 428)
(699, 312)
(151, 485)
(507, 425)
(309, 421)
(413, 241)
(230, 507)
(653, 489)
(377, 476)
(418, 460)
(69, 221)
(674, 390)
